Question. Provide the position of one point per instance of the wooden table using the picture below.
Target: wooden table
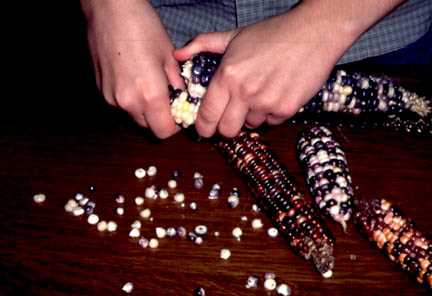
(65, 139)
(45, 251)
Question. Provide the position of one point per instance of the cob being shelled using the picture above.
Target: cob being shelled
(354, 94)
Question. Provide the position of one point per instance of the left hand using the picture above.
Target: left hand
(269, 70)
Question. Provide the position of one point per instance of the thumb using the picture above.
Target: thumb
(215, 42)
(172, 71)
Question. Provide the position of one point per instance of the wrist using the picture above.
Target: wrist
(123, 8)
(349, 18)
(330, 23)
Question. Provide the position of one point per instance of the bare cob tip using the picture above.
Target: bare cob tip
(344, 226)
(323, 259)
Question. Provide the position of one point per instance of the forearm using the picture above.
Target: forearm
(122, 8)
(348, 17)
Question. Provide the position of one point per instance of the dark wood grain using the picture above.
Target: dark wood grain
(45, 251)
(63, 138)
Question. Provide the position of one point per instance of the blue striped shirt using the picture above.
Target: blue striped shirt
(184, 19)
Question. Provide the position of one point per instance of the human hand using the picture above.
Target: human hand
(132, 57)
(269, 70)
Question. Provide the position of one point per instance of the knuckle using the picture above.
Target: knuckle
(208, 114)
(125, 98)
(247, 90)
(227, 130)
(286, 110)
(201, 38)
(228, 72)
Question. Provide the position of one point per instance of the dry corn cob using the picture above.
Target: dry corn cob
(295, 218)
(398, 236)
(359, 94)
(328, 176)
(344, 93)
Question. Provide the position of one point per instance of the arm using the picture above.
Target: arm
(272, 68)
(132, 57)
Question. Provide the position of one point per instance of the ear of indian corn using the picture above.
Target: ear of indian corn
(328, 177)
(345, 93)
(295, 218)
(396, 234)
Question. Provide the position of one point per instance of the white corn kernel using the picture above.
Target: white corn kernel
(150, 192)
(237, 233)
(163, 194)
(151, 171)
(70, 205)
(272, 232)
(39, 198)
(120, 211)
(225, 254)
(153, 243)
(140, 173)
(134, 232)
(136, 224)
(257, 223)
(146, 213)
(102, 226)
(139, 200)
(78, 211)
(179, 197)
(284, 290)
(160, 232)
(93, 219)
(172, 184)
(128, 287)
(112, 226)
(270, 284)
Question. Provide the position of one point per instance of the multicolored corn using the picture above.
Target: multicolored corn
(328, 176)
(397, 235)
(359, 94)
(277, 195)
(197, 74)
(345, 93)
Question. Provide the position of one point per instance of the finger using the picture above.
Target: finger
(172, 71)
(275, 120)
(139, 118)
(215, 42)
(212, 108)
(156, 107)
(233, 118)
(255, 118)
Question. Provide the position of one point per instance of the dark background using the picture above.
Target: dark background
(58, 136)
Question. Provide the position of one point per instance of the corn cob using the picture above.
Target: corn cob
(397, 235)
(353, 94)
(197, 74)
(328, 176)
(359, 94)
(295, 218)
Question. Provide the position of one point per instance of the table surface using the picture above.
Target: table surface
(64, 139)
(45, 251)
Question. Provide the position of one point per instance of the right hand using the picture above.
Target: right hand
(133, 61)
